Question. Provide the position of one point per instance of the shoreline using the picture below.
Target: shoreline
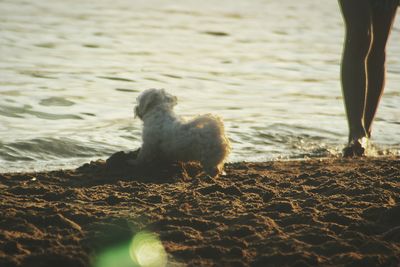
(73, 167)
(314, 212)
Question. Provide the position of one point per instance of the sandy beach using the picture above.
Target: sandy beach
(318, 212)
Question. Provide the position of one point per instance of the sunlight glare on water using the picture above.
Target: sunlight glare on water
(70, 74)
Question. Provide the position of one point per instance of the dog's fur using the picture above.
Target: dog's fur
(169, 137)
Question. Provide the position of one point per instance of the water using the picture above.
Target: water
(70, 73)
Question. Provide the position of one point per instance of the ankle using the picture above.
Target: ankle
(358, 136)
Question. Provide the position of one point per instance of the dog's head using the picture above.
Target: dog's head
(151, 98)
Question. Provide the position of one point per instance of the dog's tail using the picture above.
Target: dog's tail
(213, 126)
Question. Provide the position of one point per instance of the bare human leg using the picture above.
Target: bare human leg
(358, 22)
(382, 14)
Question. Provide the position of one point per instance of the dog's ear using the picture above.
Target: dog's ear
(146, 101)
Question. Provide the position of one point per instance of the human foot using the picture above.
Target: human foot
(355, 148)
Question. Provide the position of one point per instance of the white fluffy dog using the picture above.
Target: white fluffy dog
(169, 137)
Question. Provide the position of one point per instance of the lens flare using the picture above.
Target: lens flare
(117, 256)
(147, 250)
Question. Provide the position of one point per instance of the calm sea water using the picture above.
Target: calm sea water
(70, 72)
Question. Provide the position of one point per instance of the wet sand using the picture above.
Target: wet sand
(319, 212)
